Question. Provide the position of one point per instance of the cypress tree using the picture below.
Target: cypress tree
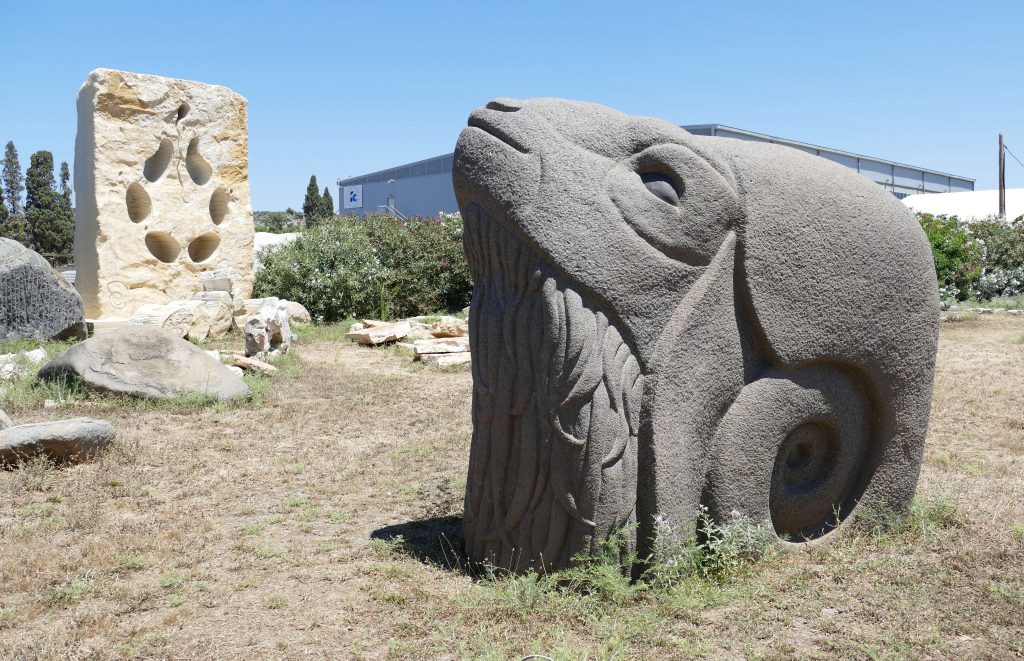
(12, 179)
(50, 223)
(327, 206)
(65, 181)
(312, 204)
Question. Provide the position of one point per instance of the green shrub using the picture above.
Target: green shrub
(379, 266)
(331, 269)
(425, 262)
(959, 257)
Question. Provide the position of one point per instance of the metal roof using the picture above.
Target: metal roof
(430, 165)
(806, 145)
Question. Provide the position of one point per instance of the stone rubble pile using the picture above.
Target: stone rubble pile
(268, 332)
(443, 343)
(14, 366)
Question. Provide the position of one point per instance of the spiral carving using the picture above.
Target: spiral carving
(794, 451)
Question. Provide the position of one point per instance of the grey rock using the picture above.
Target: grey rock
(35, 300)
(297, 313)
(269, 331)
(62, 441)
(145, 361)
(663, 322)
(5, 420)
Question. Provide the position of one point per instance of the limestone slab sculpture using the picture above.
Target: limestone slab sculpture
(162, 190)
(662, 321)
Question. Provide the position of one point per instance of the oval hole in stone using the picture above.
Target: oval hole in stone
(203, 246)
(183, 110)
(163, 246)
(198, 168)
(218, 205)
(139, 204)
(157, 163)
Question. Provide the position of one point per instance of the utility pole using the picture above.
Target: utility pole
(1002, 178)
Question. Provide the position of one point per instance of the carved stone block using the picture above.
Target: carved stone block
(162, 190)
(662, 321)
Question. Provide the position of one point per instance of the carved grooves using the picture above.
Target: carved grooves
(138, 202)
(198, 167)
(163, 246)
(556, 398)
(219, 205)
(156, 165)
(203, 246)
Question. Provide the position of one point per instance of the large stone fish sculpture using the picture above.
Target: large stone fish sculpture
(662, 321)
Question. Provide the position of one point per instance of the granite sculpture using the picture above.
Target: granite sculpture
(162, 191)
(663, 322)
(35, 300)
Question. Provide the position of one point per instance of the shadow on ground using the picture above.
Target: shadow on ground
(436, 541)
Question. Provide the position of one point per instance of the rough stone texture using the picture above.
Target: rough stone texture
(662, 321)
(373, 333)
(62, 441)
(208, 315)
(254, 365)
(5, 420)
(298, 313)
(446, 359)
(145, 361)
(14, 366)
(441, 345)
(269, 331)
(450, 327)
(35, 300)
(162, 191)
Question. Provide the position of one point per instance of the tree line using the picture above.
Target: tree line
(317, 208)
(34, 209)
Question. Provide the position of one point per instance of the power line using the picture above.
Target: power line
(1012, 154)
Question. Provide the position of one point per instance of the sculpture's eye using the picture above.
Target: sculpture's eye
(661, 186)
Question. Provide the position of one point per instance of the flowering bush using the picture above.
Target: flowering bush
(959, 256)
(998, 282)
(379, 266)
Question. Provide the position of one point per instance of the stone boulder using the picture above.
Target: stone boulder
(35, 300)
(269, 331)
(62, 441)
(298, 313)
(371, 333)
(450, 327)
(145, 361)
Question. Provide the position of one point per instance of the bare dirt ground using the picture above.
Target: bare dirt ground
(270, 531)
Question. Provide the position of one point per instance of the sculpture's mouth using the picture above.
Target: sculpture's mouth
(556, 405)
(498, 133)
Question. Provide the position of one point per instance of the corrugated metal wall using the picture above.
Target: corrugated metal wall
(423, 188)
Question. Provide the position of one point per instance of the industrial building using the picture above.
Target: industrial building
(424, 188)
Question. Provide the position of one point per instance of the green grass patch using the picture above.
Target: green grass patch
(71, 593)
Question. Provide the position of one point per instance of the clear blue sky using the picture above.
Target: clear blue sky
(344, 88)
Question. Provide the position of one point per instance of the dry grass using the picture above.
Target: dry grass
(270, 532)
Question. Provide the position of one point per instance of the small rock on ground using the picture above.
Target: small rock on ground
(62, 441)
